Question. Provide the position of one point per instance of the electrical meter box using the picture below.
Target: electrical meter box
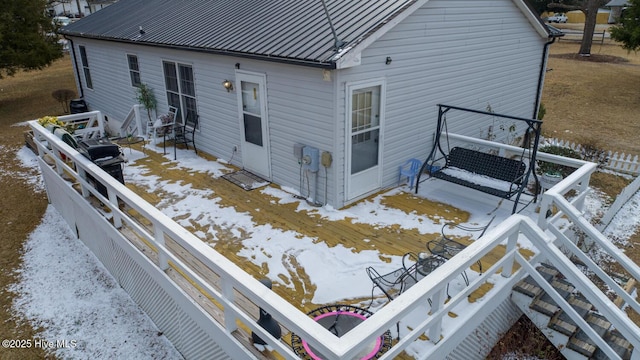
(310, 158)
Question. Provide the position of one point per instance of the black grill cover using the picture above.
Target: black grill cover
(97, 149)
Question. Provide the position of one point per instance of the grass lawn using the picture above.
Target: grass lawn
(593, 102)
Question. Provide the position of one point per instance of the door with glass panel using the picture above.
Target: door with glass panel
(363, 144)
(254, 124)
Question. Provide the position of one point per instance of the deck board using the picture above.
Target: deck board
(265, 209)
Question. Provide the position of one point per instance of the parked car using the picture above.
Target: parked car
(61, 21)
(557, 18)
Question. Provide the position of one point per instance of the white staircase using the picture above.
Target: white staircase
(559, 326)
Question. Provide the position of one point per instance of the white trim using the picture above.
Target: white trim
(349, 88)
(534, 19)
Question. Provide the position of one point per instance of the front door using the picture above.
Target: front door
(254, 123)
(363, 145)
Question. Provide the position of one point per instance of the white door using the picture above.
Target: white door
(363, 143)
(254, 125)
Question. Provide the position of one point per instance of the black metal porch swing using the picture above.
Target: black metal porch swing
(490, 173)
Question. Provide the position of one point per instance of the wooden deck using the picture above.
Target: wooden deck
(264, 209)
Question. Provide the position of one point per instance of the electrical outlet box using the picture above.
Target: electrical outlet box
(310, 159)
(325, 159)
(297, 151)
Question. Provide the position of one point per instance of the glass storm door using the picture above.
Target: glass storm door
(253, 124)
(364, 140)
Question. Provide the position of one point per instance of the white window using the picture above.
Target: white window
(134, 70)
(85, 67)
(181, 90)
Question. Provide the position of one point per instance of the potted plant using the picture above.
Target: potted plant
(550, 178)
(552, 173)
(146, 98)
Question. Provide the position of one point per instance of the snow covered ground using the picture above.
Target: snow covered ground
(66, 292)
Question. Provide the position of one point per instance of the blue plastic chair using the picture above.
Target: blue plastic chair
(409, 170)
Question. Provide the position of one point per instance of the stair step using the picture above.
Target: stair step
(581, 343)
(580, 304)
(563, 287)
(544, 304)
(623, 352)
(615, 337)
(563, 323)
(547, 271)
(598, 323)
(621, 346)
(528, 286)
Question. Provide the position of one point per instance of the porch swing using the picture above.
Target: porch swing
(486, 172)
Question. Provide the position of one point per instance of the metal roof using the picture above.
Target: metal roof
(295, 31)
(614, 3)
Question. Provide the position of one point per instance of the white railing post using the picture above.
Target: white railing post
(100, 118)
(82, 173)
(435, 331)
(228, 293)
(113, 199)
(584, 187)
(163, 262)
(545, 206)
(136, 114)
(58, 160)
(507, 270)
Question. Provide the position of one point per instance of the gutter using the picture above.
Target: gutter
(331, 65)
(543, 66)
(72, 52)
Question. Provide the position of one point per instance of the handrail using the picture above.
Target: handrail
(505, 149)
(126, 128)
(234, 279)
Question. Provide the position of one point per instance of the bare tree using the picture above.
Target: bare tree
(590, 10)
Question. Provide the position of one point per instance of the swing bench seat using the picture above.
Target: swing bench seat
(491, 174)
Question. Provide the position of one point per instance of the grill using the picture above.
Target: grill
(106, 155)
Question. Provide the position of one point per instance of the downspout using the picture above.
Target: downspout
(72, 51)
(543, 66)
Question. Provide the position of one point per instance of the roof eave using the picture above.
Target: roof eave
(278, 59)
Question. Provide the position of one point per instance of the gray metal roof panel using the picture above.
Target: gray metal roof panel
(295, 30)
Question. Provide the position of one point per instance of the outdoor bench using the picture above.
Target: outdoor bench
(492, 174)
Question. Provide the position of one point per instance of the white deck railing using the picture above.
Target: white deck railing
(133, 124)
(235, 282)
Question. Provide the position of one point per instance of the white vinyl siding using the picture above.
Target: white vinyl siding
(301, 105)
(467, 53)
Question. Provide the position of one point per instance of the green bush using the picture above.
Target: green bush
(553, 168)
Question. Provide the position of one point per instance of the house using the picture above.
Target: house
(616, 7)
(77, 8)
(328, 97)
